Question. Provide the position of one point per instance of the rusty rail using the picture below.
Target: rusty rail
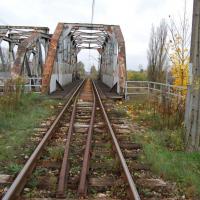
(82, 189)
(20, 181)
(63, 177)
(133, 190)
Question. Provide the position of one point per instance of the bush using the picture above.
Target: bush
(13, 92)
(137, 76)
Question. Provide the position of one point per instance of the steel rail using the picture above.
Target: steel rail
(82, 189)
(63, 176)
(133, 190)
(17, 186)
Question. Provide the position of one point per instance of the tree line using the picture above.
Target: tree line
(168, 51)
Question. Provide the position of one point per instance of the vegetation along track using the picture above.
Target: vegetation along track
(79, 156)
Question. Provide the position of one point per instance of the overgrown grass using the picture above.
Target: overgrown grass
(56, 153)
(164, 147)
(167, 158)
(118, 113)
(17, 124)
(149, 111)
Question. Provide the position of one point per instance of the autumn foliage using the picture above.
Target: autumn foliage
(179, 49)
(180, 61)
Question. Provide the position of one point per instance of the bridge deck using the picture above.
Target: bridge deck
(68, 89)
(106, 91)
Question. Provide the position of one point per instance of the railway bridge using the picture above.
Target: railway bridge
(52, 58)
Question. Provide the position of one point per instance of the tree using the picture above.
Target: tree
(141, 68)
(136, 75)
(179, 49)
(93, 72)
(81, 69)
(157, 53)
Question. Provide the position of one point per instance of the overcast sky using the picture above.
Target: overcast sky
(134, 16)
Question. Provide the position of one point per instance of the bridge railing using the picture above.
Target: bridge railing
(148, 87)
(33, 84)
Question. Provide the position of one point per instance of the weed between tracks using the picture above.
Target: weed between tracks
(17, 122)
(56, 153)
(163, 143)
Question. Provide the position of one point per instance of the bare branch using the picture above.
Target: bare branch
(157, 54)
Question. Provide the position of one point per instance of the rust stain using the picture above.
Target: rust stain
(121, 58)
(49, 63)
(23, 46)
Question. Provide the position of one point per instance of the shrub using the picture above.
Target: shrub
(13, 92)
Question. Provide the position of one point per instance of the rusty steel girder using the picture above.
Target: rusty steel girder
(21, 53)
(27, 39)
(121, 58)
(79, 36)
(65, 44)
(25, 47)
(48, 67)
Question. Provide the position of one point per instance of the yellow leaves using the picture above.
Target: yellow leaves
(180, 74)
(180, 62)
(136, 76)
(128, 112)
(52, 107)
(120, 103)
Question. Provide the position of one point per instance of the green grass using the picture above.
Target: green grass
(17, 124)
(34, 178)
(118, 113)
(148, 111)
(182, 167)
(164, 148)
(56, 152)
(14, 168)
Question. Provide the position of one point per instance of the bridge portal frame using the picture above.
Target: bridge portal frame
(88, 36)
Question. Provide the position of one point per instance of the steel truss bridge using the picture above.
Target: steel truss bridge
(34, 53)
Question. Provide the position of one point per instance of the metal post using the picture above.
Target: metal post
(126, 90)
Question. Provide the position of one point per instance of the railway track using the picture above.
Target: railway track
(78, 157)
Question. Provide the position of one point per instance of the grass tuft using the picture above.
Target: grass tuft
(14, 168)
(56, 152)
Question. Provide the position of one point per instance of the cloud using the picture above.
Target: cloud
(134, 16)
